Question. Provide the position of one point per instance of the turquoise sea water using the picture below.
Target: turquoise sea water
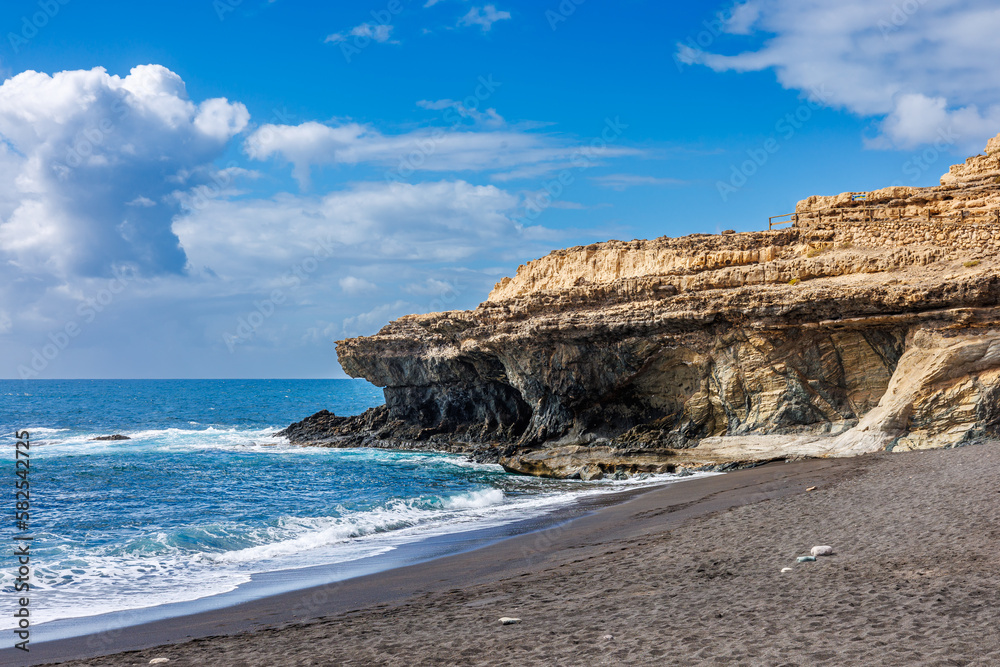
(203, 495)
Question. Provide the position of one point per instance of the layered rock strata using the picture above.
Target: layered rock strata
(872, 323)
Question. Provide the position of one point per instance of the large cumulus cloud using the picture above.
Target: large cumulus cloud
(92, 164)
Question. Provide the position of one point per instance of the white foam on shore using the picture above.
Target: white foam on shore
(475, 499)
(80, 582)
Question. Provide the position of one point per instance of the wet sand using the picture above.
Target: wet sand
(687, 574)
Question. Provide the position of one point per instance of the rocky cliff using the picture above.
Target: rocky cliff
(872, 323)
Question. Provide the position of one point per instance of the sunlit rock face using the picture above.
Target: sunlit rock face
(871, 324)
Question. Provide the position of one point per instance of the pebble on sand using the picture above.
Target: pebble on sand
(786, 569)
(159, 661)
(821, 551)
(507, 620)
(805, 559)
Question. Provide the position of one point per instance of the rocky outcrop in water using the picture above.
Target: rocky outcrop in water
(871, 324)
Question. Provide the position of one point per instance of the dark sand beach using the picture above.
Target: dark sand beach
(687, 574)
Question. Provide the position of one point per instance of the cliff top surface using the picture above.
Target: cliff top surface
(969, 197)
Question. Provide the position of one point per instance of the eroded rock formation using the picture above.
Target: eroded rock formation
(872, 323)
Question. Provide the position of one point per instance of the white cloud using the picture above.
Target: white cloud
(446, 221)
(917, 119)
(220, 120)
(312, 251)
(85, 153)
(742, 18)
(533, 171)
(621, 182)
(354, 286)
(430, 287)
(490, 117)
(323, 332)
(370, 322)
(923, 68)
(379, 32)
(484, 17)
(433, 150)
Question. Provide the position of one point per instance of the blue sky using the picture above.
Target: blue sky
(217, 188)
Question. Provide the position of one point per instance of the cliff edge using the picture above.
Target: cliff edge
(872, 323)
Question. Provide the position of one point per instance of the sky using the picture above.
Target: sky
(224, 188)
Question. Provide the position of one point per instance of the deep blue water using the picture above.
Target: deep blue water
(203, 495)
(105, 405)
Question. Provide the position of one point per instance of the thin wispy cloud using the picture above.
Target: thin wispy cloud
(621, 182)
(503, 152)
(354, 286)
(484, 17)
(378, 32)
(369, 322)
(490, 117)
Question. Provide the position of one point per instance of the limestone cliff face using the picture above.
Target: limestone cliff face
(873, 323)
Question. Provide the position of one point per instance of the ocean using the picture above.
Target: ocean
(203, 497)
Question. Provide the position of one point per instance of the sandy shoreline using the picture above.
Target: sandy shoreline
(684, 574)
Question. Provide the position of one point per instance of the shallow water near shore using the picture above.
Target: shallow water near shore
(204, 502)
